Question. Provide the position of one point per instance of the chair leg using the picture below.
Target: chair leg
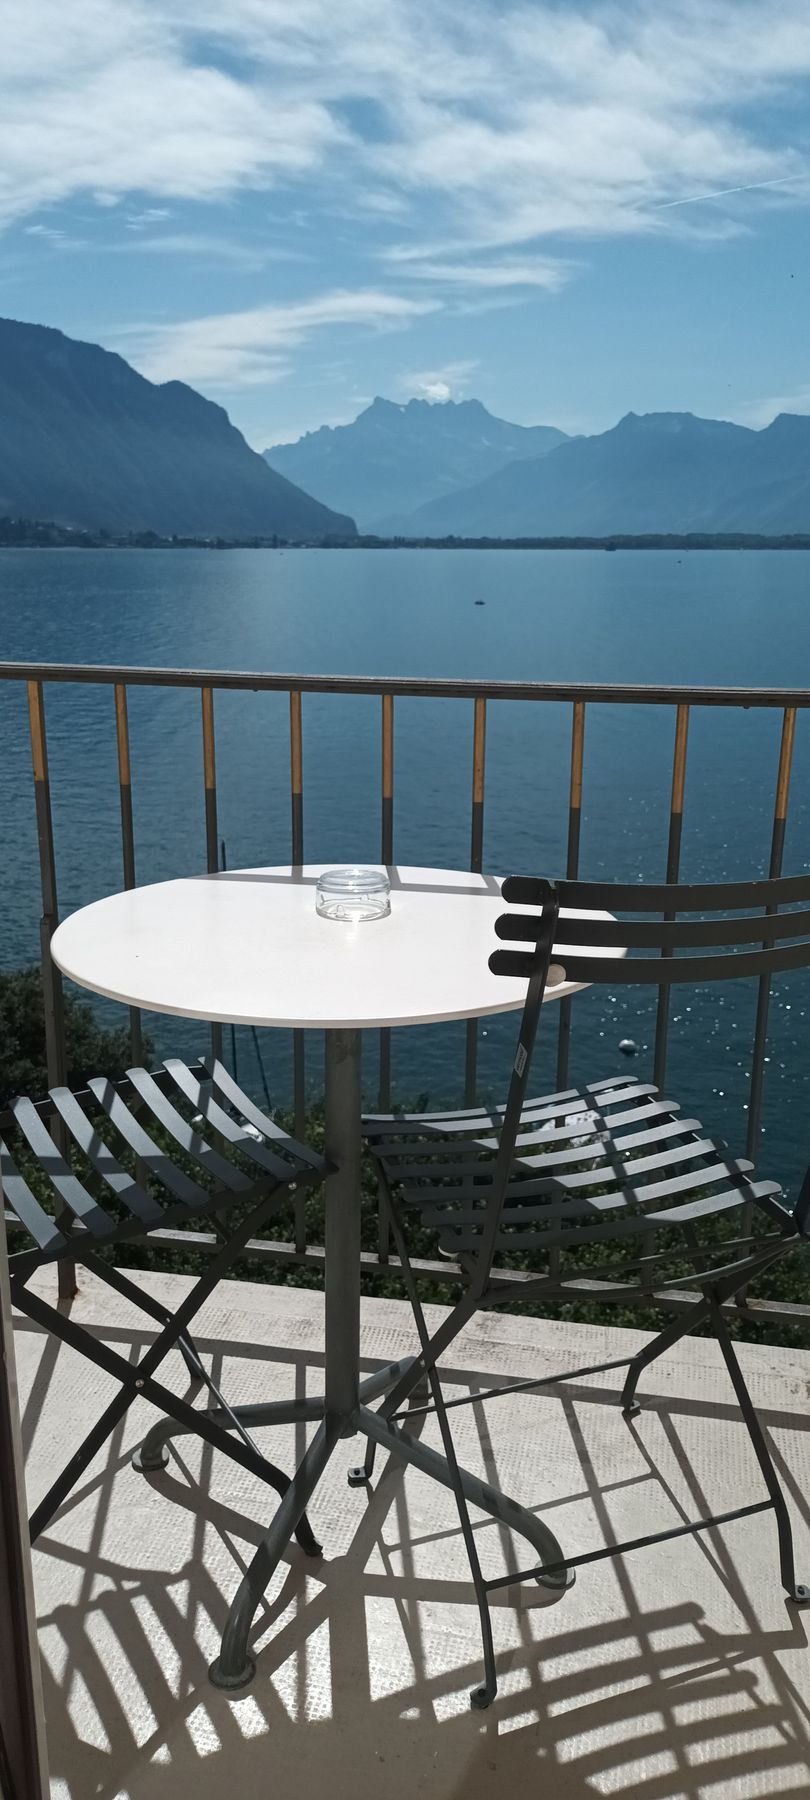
(672, 1334)
(414, 1382)
(134, 1378)
(115, 1279)
(795, 1590)
(483, 1695)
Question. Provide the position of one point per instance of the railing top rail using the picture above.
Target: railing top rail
(415, 686)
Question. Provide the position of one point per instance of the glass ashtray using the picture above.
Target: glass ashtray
(353, 894)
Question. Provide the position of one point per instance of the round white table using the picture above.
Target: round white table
(247, 947)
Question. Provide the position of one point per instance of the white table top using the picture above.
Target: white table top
(248, 948)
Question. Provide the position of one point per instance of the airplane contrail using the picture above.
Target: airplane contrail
(720, 193)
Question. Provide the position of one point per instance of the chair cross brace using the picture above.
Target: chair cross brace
(137, 1380)
(639, 1543)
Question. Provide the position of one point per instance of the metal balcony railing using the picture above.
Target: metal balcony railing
(677, 703)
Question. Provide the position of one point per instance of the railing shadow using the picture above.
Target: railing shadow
(365, 1660)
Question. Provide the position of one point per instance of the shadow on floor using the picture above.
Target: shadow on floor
(365, 1659)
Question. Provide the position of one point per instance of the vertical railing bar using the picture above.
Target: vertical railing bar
(572, 867)
(764, 988)
(127, 836)
(387, 857)
(211, 829)
(571, 871)
(223, 863)
(297, 858)
(52, 992)
(476, 866)
(673, 872)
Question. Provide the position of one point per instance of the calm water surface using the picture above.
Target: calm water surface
(726, 618)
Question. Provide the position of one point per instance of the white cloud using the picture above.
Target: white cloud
(533, 272)
(119, 100)
(210, 248)
(448, 383)
(499, 123)
(148, 215)
(243, 349)
(469, 149)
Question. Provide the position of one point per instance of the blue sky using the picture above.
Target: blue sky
(570, 210)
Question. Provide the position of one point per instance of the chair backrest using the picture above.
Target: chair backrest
(745, 941)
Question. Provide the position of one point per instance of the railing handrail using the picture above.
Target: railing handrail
(414, 686)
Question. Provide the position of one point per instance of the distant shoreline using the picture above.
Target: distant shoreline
(36, 534)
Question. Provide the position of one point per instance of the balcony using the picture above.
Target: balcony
(681, 1668)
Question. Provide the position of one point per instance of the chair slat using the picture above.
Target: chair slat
(674, 897)
(67, 1185)
(618, 1198)
(254, 1115)
(625, 971)
(600, 1149)
(202, 1098)
(534, 1112)
(33, 1217)
(637, 1226)
(377, 1124)
(658, 934)
(175, 1180)
(184, 1134)
(142, 1205)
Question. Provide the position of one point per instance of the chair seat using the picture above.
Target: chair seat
(592, 1165)
(133, 1157)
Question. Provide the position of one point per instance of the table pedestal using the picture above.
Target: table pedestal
(344, 1409)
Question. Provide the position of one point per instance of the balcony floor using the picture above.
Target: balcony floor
(681, 1672)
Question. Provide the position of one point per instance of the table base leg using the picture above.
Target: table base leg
(234, 1667)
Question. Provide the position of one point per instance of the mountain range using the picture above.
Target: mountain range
(661, 472)
(394, 458)
(654, 473)
(88, 442)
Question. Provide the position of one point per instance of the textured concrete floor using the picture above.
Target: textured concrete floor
(681, 1672)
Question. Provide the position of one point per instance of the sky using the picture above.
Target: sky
(567, 210)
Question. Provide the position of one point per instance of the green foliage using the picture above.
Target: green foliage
(91, 1050)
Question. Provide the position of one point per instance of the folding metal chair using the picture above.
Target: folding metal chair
(107, 1181)
(611, 1165)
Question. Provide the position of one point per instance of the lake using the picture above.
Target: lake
(730, 618)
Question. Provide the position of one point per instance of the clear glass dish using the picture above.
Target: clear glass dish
(353, 895)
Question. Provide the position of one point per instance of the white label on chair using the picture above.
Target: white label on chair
(521, 1059)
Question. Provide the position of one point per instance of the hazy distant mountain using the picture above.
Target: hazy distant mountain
(663, 472)
(86, 441)
(393, 458)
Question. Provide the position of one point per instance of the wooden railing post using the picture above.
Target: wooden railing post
(127, 836)
(673, 871)
(52, 992)
(297, 858)
(572, 867)
(476, 865)
(211, 826)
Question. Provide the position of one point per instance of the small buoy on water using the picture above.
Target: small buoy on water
(628, 1046)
